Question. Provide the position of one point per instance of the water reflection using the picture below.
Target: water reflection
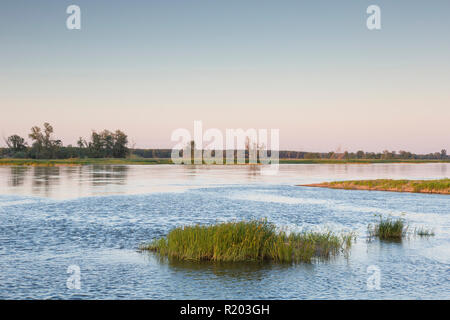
(242, 271)
(95, 180)
(103, 175)
(18, 175)
(45, 179)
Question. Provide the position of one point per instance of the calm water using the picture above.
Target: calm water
(96, 216)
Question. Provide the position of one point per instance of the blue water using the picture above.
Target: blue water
(41, 236)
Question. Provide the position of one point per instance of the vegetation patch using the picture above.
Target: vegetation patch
(388, 229)
(248, 241)
(423, 232)
(441, 186)
(80, 162)
(395, 230)
(358, 161)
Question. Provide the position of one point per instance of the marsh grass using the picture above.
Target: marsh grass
(248, 241)
(441, 186)
(423, 232)
(395, 230)
(388, 229)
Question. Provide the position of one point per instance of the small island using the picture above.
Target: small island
(441, 186)
(247, 241)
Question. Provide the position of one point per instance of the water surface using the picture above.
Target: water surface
(96, 216)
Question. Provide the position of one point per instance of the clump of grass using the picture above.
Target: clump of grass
(423, 232)
(248, 241)
(395, 230)
(388, 229)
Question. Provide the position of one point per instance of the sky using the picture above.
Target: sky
(311, 69)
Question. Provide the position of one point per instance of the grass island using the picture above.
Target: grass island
(248, 241)
(440, 186)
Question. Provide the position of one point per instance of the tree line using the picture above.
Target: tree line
(104, 144)
(108, 144)
(385, 155)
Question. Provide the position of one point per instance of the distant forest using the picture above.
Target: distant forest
(114, 144)
(104, 144)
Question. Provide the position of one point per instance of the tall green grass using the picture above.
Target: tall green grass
(388, 229)
(395, 230)
(248, 241)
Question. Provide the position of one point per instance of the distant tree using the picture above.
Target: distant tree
(312, 155)
(108, 144)
(360, 154)
(386, 155)
(48, 130)
(16, 143)
(346, 155)
(120, 149)
(404, 154)
(443, 154)
(44, 147)
(96, 145)
(81, 143)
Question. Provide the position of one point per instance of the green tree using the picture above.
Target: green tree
(360, 154)
(120, 149)
(108, 144)
(44, 147)
(16, 143)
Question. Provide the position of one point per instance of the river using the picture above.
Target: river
(95, 217)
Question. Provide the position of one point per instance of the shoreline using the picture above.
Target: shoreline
(441, 186)
(152, 161)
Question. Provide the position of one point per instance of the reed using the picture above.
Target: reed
(248, 241)
(423, 232)
(388, 229)
(395, 230)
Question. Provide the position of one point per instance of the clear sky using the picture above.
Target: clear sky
(309, 68)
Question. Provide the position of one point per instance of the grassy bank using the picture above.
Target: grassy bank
(80, 162)
(356, 161)
(441, 186)
(248, 241)
(148, 161)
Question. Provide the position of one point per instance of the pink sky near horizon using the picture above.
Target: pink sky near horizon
(314, 72)
(314, 112)
(349, 116)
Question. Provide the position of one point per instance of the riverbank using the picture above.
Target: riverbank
(357, 161)
(150, 161)
(80, 162)
(441, 186)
